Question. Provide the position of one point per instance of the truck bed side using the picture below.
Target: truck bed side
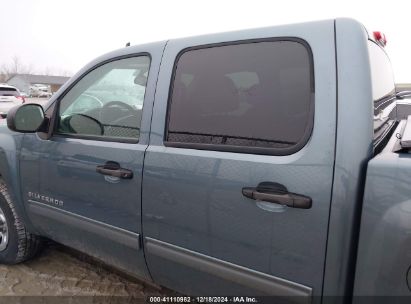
(384, 253)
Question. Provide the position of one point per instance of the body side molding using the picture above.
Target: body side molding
(264, 283)
(115, 234)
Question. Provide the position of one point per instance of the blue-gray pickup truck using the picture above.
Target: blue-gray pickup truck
(259, 162)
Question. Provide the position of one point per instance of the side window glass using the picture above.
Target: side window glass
(383, 91)
(250, 97)
(107, 102)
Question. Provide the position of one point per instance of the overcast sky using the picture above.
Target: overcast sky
(65, 35)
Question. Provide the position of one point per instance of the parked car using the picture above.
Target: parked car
(39, 93)
(24, 94)
(39, 87)
(9, 98)
(44, 94)
(257, 162)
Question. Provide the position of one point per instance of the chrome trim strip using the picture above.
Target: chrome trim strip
(115, 234)
(264, 283)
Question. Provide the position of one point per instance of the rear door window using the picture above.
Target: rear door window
(248, 97)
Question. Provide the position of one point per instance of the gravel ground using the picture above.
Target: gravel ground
(59, 272)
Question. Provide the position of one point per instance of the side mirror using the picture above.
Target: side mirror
(85, 125)
(26, 118)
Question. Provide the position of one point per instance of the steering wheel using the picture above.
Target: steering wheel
(114, 110)
(118, 117)
(119, 104)
(93, 98)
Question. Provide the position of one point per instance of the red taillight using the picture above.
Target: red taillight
(23, 100)
(380, 38)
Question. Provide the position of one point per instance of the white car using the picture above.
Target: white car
(40, 91)
(45, 95)
(9, 98)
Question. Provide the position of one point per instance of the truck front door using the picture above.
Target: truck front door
(83, 185)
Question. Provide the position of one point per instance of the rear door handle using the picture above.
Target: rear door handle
(113, 169)
(277, 194)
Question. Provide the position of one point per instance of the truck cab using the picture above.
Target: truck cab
(225, 164)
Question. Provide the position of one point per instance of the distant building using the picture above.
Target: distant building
(24, 81)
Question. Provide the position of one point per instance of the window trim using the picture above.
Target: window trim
(246, 149)
(55, 120)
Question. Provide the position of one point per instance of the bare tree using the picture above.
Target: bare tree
(3, 78)
(15, 67)
(64, 72)
(56, 72)
(47, 71)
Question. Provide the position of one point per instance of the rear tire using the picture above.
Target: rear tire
(16, 243)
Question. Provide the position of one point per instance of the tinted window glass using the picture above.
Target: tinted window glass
(381, 75)
(381, 72)
(252, 95)
(383, 89)
(108, 101)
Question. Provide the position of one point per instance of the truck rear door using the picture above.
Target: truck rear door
(243, 124)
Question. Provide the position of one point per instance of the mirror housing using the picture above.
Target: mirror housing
(26, 118)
